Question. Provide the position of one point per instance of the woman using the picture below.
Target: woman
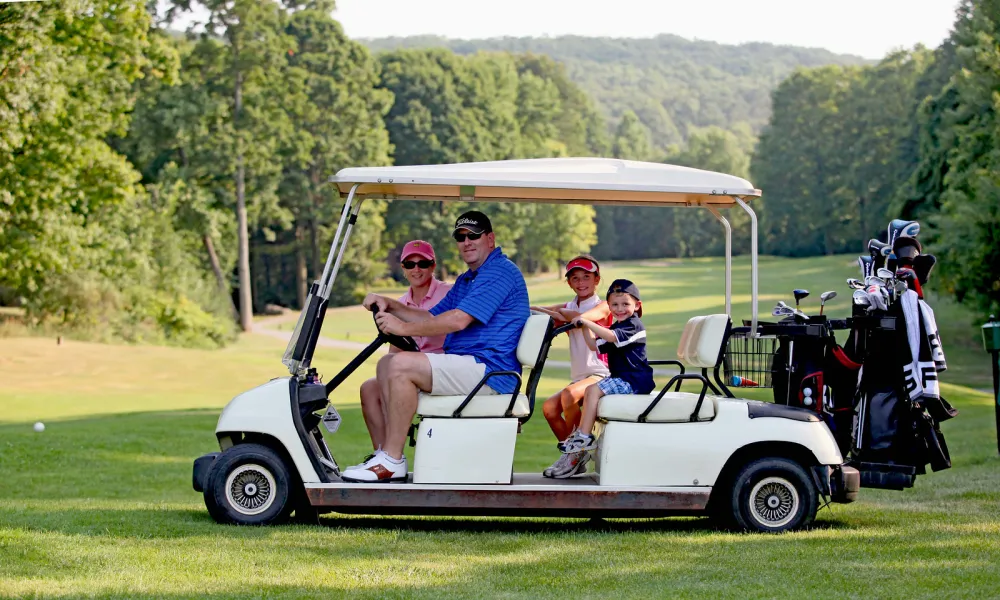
(418, 262)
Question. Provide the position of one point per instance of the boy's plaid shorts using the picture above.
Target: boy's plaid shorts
(614, 385)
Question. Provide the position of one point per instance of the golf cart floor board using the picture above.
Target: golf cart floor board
(528, 495)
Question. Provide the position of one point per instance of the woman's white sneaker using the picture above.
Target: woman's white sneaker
(380, 468)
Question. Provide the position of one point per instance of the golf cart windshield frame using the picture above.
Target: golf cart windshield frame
(299, 353)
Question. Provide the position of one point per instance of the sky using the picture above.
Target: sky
(868, 28)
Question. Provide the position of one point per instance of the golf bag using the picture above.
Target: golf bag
(810, 370)
(896, 431)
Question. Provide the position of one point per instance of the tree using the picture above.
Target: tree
(801, 165)
(247, 66)
(337, 112)
(631, 140)
(966, 235)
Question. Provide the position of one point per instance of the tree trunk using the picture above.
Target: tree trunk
(220, 279)
(243, 264)
(301, 269)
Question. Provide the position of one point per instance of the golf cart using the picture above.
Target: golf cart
(752, 465)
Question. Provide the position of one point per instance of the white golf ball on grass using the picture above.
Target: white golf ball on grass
(39, 427)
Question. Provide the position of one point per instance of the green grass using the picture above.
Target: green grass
(100, 504)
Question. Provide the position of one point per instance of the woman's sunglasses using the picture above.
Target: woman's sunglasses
(423, 264)
(460, 237)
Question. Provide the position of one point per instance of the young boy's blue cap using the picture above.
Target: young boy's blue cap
(623, 286)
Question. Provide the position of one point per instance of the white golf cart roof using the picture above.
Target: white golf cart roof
(559, 180)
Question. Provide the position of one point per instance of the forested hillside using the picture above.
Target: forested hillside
(161, 186)
(672, 84)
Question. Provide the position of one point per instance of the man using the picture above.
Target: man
(482, 316)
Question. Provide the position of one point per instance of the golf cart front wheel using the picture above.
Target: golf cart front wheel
(249, 484)
(773, 495)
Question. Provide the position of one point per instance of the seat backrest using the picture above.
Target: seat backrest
(532, 338)
(686, 346)
(706, 341)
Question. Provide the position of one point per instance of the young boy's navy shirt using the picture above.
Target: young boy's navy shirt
(627, 356)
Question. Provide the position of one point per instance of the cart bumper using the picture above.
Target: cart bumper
(845, 482)
(202, 465)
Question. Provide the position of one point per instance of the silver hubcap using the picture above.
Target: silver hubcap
(774, 502)
(250, 489)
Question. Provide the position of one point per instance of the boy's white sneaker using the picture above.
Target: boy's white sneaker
(377, 469)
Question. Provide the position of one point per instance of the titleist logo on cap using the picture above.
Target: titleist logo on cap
(467, 221)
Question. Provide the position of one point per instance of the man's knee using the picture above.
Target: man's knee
(407, 365)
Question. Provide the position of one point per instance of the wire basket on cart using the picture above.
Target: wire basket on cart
(749, 357)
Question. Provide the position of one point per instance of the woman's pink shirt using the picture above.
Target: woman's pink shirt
(437, 291)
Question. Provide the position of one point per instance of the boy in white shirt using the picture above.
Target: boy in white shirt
(562, 410)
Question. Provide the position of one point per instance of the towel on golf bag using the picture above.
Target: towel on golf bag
(920, 375)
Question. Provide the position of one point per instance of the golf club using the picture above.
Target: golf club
(824, 297)
(795, 311)
(854, 284)
(799, 295)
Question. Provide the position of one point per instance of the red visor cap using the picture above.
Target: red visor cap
(581, 263)
(417, 248)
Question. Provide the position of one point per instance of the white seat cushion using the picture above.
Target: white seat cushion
(674, 407)
(483, 405)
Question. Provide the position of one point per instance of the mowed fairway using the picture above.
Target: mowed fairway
(100, 504)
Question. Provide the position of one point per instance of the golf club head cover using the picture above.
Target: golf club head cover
(923, 265)
(867, 266)
(879, 252)
(899, 228)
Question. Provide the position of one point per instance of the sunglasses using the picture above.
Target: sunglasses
(423, 264)
(460, 237)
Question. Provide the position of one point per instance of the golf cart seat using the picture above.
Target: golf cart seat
(636, 423)
(699, 348)
(674, 407)
(479, 404)
(452, 447)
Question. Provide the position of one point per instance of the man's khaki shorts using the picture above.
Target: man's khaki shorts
(456, 375)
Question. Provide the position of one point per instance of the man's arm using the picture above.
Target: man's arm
(553, 312)
(443, 324)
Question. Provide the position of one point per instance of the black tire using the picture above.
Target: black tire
(249, 484)
(770, 495)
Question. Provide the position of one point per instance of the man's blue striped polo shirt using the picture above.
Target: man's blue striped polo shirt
(496, 296)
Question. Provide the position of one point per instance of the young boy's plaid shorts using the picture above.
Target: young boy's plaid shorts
(614, 385)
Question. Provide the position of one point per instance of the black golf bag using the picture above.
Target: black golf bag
(894, 437)
(810, 370)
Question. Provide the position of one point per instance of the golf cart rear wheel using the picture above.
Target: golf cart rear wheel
(249, 484)
(772, 495)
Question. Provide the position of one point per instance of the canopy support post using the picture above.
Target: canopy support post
(324, 289)
(753, 264)
(729, 257)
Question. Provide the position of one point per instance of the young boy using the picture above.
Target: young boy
(625, 344)
(562, 410)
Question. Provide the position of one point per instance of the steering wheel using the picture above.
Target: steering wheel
(403, 342)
